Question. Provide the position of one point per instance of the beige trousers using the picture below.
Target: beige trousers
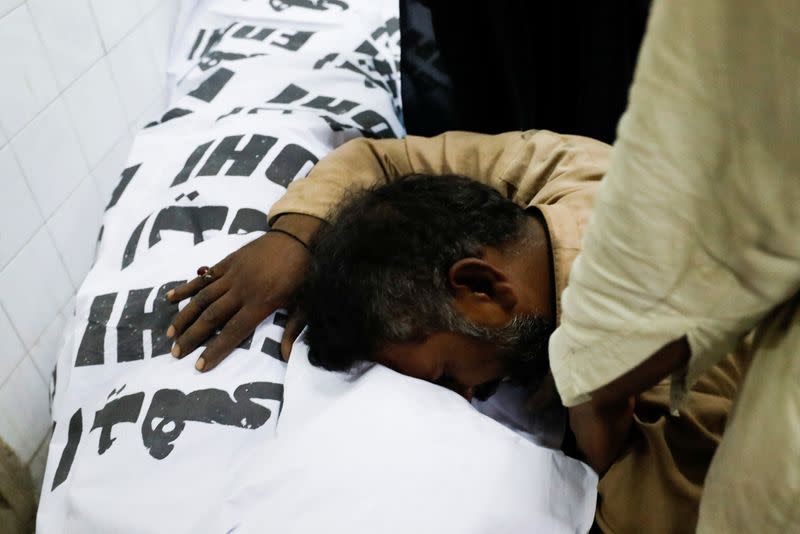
(753, 484)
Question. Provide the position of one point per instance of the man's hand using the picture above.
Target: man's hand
(244, 289)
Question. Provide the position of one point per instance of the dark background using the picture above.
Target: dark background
(499, 65)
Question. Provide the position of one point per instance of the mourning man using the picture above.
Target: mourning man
(444, 279)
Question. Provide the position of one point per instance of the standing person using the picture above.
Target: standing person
(693, 244)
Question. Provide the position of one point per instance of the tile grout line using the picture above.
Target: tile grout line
(45, 220)
(11, 9)
(125, 132)
(84, 71)
(16, 332)
(45, 441)
(27, 353)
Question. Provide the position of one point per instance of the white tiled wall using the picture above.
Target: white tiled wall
(78, 78)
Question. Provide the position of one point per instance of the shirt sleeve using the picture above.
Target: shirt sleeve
(526, 167)
(694, 229)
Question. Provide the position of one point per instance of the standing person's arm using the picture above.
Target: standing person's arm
(694, 235)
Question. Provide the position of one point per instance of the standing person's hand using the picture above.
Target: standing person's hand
(239, 292)
(602, 431)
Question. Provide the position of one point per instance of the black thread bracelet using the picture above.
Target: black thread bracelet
(284, 232)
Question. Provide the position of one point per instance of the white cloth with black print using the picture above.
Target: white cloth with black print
(144, 443)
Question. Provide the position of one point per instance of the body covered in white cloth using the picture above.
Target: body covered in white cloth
(144, 443)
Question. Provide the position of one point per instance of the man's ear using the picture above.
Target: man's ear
(482, 292)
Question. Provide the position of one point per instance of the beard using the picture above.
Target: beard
(522, 347)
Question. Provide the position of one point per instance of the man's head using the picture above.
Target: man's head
(440, 278)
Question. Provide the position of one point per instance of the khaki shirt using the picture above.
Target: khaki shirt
(557, 174)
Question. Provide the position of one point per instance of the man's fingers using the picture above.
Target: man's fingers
(213, 317)
(192, 311)
(184, 291)
(233, 333)
(294, 325)
(194, 285)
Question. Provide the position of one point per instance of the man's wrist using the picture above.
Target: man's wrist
(303, 227)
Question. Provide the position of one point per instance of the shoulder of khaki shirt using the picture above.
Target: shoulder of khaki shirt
(533, 167)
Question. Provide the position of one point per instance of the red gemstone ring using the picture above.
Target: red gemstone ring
(204, 272)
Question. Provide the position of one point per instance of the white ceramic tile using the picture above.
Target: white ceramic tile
(25, 417)
(115, 18)
(13, 350)
(50, 155)
(69, 34)
(44, 353)
(34, 287)
(107, 172)
(38, 463)
(28, 84)
(96, 110)
(146, 6)
(160, 26)
(8, 5)
(135, 72)
(19, 214)
(74, 228)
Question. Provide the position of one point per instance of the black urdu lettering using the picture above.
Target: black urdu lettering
(373, 124)
(129, 253)
(120, 410)
(191, 162)
(289, 163)
(293, 41)
(289, 94)
(326, 103)
(91, 349)
(246, 32)
(173, 113)
(135, 320)
(125, 178)
(170, 409)
(244, 161)
(191, 219)
(248, 220)
(74, 432)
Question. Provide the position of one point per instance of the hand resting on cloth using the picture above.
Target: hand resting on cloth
(244, 289)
